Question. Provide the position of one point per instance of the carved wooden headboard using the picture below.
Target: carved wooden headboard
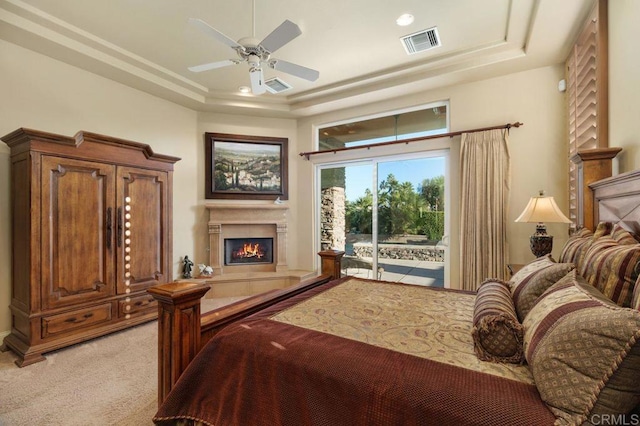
(617, 200)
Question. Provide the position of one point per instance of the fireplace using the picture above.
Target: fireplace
(243, 251)
(248, 223)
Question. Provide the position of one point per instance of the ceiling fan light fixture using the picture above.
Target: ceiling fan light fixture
(257, 53)
(253, 61)
(405, 19)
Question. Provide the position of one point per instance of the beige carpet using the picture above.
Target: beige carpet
(106, 381)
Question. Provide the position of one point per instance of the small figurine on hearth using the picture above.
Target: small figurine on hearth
(205, 271)
(186, 269)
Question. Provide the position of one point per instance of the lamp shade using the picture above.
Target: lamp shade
(542, 209)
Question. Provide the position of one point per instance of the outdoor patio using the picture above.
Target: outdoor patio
(419, 272)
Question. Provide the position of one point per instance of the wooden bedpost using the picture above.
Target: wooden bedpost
(178, 330)
(182, 330)
(593, 165)
(331, 260)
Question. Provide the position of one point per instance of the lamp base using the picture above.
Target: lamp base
(541, 243)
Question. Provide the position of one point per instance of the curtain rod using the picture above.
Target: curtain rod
(407, 141)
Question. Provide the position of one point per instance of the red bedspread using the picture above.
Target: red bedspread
(262, 372)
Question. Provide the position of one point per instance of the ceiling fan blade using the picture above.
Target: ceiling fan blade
(293, 69)
(282, 35)
(212, 32)
(213, 65)
(257, 82)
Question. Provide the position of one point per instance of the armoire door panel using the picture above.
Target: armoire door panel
(77, 264)
(142, 222)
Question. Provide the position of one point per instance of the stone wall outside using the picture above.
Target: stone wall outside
(333, 234)
(401, 251)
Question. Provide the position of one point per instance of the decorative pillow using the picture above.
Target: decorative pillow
(497, 333)
(613, 269)
(595, 249)
(533, 279)
(583, 352)
(622, 236)
(603, 230)
(573, 247)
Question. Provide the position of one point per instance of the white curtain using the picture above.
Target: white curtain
(485, 182)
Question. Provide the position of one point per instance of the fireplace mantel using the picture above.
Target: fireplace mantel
(246, 213)
(247, 220)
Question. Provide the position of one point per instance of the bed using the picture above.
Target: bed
(557, 344)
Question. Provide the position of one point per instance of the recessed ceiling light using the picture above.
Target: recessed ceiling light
(404, 20)
(244, 89)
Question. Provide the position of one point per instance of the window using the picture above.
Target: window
(430, 120)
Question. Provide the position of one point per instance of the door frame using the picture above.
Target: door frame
(373, 161)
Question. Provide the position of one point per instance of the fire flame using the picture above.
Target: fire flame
(250, 250)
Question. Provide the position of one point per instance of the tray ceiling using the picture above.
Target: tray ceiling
(355, 45)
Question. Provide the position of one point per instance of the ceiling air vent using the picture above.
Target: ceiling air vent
(421, 41)
(275, 85)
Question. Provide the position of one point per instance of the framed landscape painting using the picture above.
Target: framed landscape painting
(245, 167)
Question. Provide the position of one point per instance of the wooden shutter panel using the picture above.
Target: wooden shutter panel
(587, 100)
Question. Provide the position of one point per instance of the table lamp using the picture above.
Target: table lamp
(542, 209)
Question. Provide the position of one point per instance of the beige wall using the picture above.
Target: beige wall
(624, 81)
(47, 95)
(538, 149)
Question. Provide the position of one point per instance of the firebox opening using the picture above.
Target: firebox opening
(242, 251)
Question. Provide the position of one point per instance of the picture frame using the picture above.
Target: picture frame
(245, 167)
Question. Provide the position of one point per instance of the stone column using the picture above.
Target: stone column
(332, 219)
(215, 255)
(281, 231)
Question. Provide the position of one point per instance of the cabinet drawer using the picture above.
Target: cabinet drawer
(74, 320)
(137, 305)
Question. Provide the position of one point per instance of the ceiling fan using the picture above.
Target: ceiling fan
(257, 53)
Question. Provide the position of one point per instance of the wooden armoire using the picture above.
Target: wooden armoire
(91, 221)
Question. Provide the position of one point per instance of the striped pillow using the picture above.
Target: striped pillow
(573, 247)
(613, 269)
(623, 236)
(603, 229)
(497, 333)
(534, 279)
(590, 272)
(583, 352)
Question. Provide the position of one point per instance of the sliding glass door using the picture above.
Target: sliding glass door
(389, 215)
